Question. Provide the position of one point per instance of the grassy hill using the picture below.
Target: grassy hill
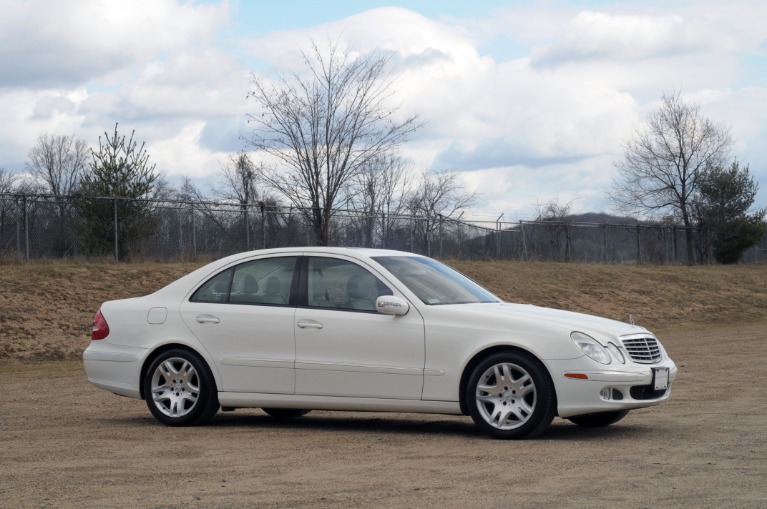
(46, 308)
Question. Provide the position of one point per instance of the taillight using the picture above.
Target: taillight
(100, 328)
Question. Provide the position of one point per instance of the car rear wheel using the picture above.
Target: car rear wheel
(179, 389)
(598, 420)
(510, 395)
(285, 413)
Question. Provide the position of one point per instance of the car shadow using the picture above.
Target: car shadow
(562, 429)
(402, 424)
(341, 422)
(395, 424)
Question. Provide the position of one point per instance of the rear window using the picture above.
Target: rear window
(263, 281)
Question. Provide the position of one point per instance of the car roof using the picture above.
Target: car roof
(183, 284)
(364, 251)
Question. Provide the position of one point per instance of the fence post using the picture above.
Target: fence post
(524, 242)
(180, 233)
(263, 223)
(26, 226)
(247, 228)
(412, 226)
(18, 231)
(673, 245)
(383, 230)
(441, 222)
(117, 242)
(498, 237)
(497, 240)
(194, 234)
(639, 245)
(460, 236)
(429, 236)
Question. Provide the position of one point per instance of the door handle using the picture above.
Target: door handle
(207, 319)
(309, 324)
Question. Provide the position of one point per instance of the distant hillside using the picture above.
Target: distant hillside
(46, 309)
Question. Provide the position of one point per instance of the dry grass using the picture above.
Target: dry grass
(657, 296)
(46, 308)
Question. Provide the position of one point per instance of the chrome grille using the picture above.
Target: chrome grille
(642, 349)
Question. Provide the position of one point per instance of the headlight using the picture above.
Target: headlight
(591, 347)
(616, 353)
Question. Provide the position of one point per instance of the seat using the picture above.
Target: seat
(360, 294)
(248, 290)
(318, 290)
(273, 294)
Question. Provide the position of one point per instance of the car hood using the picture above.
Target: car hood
(506, 314)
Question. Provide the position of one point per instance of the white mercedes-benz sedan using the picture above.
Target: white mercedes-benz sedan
(296, 329)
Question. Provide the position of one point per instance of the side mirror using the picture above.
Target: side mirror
(391, 305)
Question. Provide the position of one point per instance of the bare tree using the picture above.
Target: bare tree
(238, 178)
(440, 196)
(188, 191)
(58, 162)
(379, 191)
(323, 128)
(557, 220)
(664, 162)
(7, 181)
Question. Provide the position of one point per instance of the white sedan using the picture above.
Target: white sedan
(295, 329)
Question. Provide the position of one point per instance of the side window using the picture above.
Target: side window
(265, 281)
(215, 289)
(339, 284)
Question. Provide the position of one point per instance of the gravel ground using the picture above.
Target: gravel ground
(65, 443)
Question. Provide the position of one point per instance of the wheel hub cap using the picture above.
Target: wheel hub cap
(506, 396)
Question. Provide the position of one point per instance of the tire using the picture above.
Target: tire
(285, 413)
(598, 420)
(511, 396)
(179, 389)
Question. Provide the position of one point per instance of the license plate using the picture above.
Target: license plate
(660, 376)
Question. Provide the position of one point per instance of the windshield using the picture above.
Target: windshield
(433, 282)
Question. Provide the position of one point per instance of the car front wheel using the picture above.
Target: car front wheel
(510, 395)
(179, 389)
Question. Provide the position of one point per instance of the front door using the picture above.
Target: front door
(344, 347)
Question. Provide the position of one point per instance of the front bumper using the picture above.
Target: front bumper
(588, 389)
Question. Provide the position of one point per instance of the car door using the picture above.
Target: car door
(244, 318)
(343, 346)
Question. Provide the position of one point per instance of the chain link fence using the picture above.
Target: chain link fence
(47, 227)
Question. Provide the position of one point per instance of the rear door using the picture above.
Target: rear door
(245, 319)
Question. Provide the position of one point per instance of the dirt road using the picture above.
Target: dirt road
(67, 444)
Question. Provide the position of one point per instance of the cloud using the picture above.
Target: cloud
(206, 84)
(183, 154)
(151, 65)
(496, 153)
(603, 36)
(60, 44)
(545, 120)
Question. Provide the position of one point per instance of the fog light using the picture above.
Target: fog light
(606, 393)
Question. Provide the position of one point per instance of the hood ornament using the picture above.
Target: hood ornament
(631, 320)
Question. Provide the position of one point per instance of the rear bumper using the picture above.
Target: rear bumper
(114, 368)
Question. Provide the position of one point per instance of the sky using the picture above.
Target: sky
(528, 101)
